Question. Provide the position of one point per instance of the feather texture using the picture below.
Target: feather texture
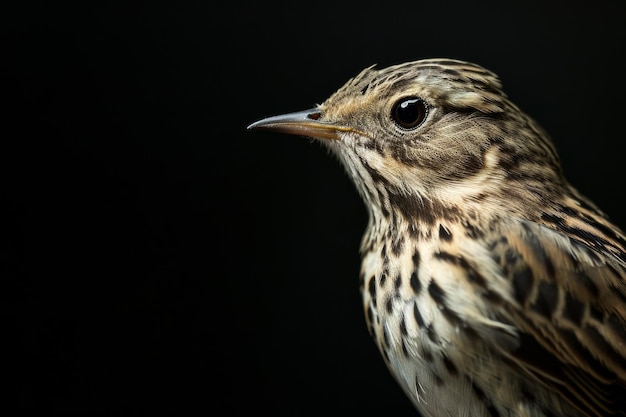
(490, 285)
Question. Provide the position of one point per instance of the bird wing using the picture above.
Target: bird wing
(570, 305)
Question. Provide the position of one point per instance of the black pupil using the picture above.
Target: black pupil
(409, 112)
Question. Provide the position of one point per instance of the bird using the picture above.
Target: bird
(491, 286)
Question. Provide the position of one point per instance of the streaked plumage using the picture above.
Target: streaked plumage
(490, 285)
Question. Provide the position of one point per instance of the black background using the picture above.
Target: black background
(157, 258)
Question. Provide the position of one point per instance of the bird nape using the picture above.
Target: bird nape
(490, 285)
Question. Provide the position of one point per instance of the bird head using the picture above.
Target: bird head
(434, 130)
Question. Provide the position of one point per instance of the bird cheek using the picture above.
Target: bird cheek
(356, 141)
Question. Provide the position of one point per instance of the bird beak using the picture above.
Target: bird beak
(303, 123)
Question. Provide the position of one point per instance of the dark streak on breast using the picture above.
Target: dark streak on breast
(403, 330)
(371, 288)
(383, 278)
(432, 335)
(418, 316)
(444, 233)
(389, 305)
(436, 293)
(416, 285)
(397, 282)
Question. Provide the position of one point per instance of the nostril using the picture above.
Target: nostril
(314, 116)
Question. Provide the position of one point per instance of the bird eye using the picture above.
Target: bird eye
(409, 112)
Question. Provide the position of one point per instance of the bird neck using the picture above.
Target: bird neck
(397, 215)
